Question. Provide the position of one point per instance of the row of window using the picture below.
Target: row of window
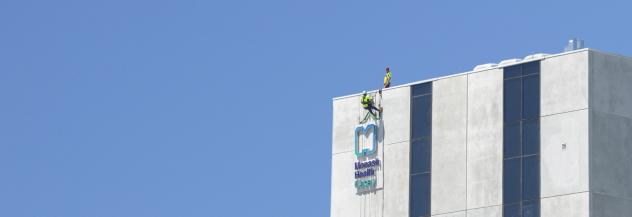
(421, 146)
(521, 143)
(521, 140)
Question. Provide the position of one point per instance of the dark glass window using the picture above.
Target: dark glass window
(531, 68)
(420, 151)
(421, 116)
(421, 89)
(512, 100)
(531, 208)
(531, 137)
(420, 195)
(531, 94)
(420, 159)
(511, 140)
(521, 140)
(512, 210)
(511, 181)
(531, 178)
(512, 71)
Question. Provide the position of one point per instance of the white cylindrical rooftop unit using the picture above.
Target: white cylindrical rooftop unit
(509, 62)
(485, 66)
(535, 56)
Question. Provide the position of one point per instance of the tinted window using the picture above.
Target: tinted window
(521, 140)
(511, 140)
(512, 71)
(531, 137)
(531, 178)
(531, 94)
(531, 68)
(511, 181)
(422, 116)
(420, 159)
(421, 89)
(512, 100)
(531, 209)
(511, 210)
(420, 195)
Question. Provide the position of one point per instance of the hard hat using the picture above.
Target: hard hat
(364, 92)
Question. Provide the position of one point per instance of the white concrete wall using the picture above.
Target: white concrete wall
(396, 181)
(448, 174)
(391, 196)
(346, 112)
(572, 205)
(610, 135)
(564, 170)
(484, 140)
(591, 175)
(564, 83)
(455, 214)
(492, 211)
(564, 120)
(344, 198)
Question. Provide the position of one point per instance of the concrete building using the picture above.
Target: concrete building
(548, 135)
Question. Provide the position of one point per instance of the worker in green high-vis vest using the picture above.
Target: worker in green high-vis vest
(367, 103)
(387, 78)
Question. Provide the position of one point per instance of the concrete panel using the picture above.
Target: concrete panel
(609, 206)
(610, 79)
(611, 154)
(396, 179)
(346, 114)
(572, 205)
(492, 211)
(449, 102)
(396, 118)
(564, 170)
(564, 83)
(455, 214)
(345, 200)
(485, 139)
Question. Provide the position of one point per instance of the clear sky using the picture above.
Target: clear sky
(223, 108)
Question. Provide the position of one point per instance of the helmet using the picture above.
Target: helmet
(364, 92)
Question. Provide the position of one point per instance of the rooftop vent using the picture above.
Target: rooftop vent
(535, 56)
(574, 44)
(485, 66)
(509, 62)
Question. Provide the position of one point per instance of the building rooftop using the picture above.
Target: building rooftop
(488, 66)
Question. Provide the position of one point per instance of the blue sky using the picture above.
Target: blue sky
(223, 108)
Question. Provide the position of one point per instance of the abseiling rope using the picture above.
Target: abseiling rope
(375, 117)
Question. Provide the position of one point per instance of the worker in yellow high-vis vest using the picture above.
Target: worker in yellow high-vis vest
(387, 78)
(367, 103)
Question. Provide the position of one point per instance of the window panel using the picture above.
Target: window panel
(420, 159)
(511, 140)
(531, 68)
(531, 208)
(531, 178)
(421, 89)
(512, 210)
(512, 71)
(422, 116)
(531, 97)
(512, 100)
(511, 181)
(530, 137)
(420, 195)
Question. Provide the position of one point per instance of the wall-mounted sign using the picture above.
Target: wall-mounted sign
(367, 164)
(360, 131)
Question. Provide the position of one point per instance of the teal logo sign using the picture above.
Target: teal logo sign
(367, 166)
(360, 131)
